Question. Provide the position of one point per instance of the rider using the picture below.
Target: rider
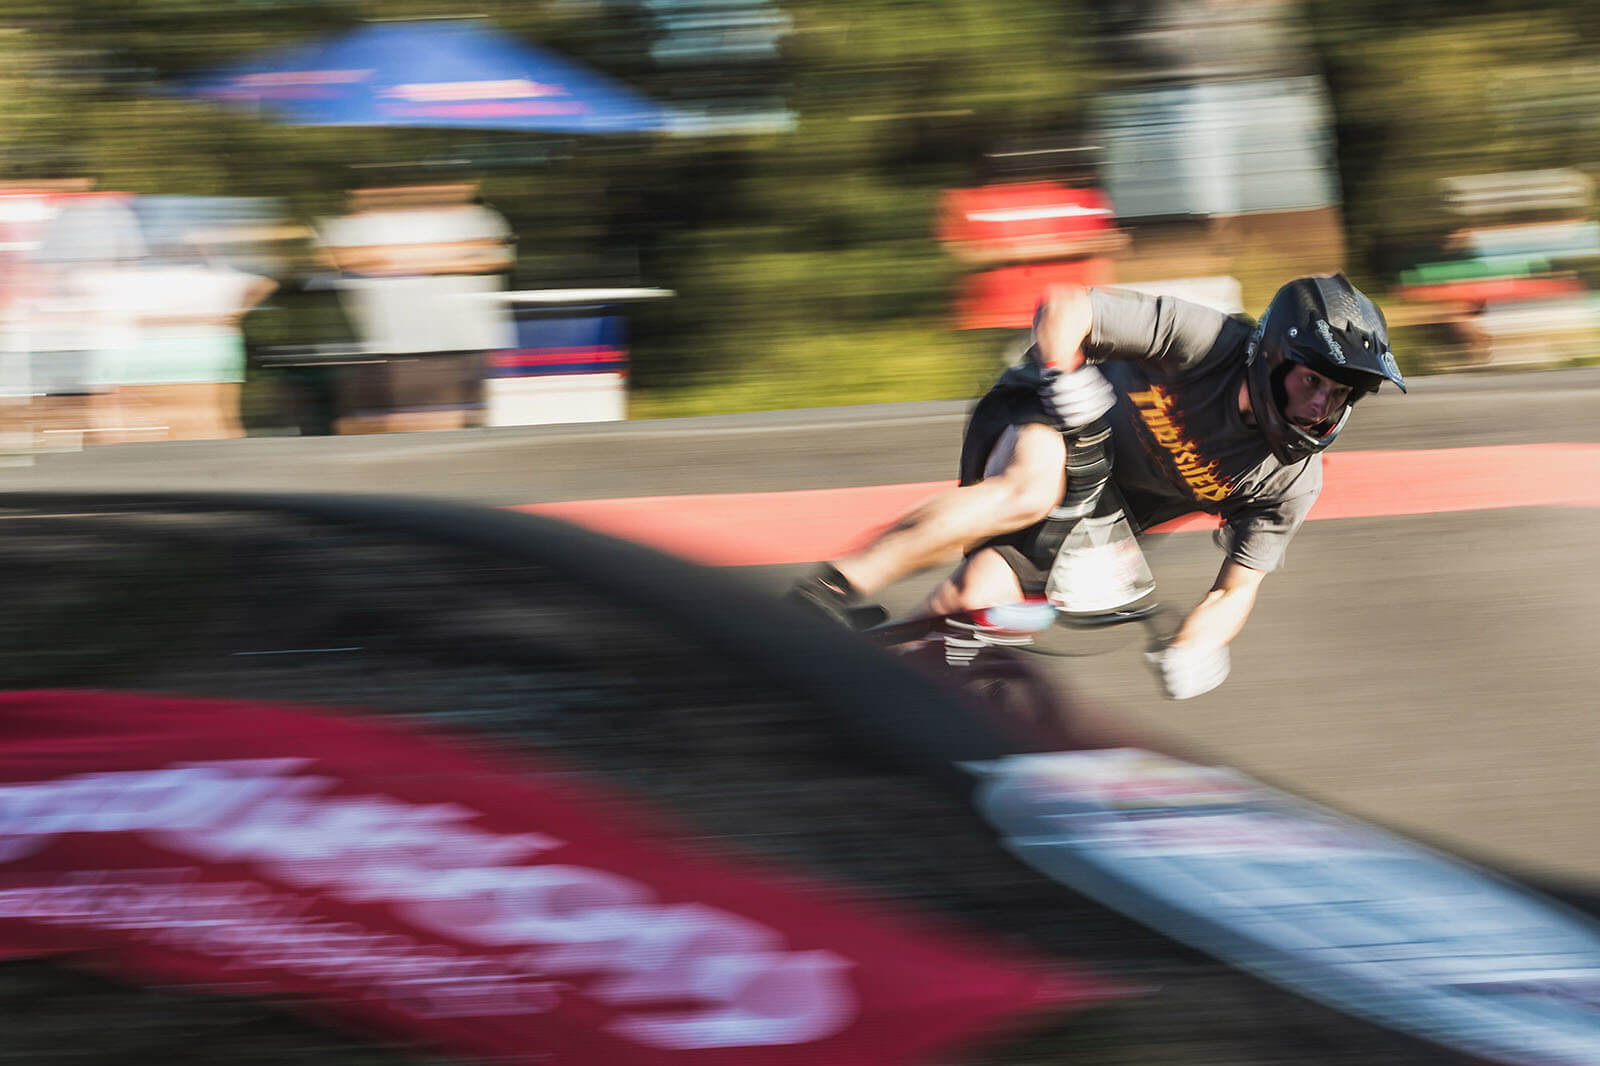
(1206, 411)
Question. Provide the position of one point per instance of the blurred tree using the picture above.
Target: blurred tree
(819, 240)
(1428, 92)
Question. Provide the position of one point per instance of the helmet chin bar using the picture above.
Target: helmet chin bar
(1325, 439)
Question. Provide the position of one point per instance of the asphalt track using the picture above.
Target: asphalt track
(1427, 658)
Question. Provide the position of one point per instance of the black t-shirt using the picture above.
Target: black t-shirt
(1180, 442)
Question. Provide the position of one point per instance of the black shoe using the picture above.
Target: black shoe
(827, 594)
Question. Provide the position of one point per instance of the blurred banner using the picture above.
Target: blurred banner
(450, 899)
(1323, 904)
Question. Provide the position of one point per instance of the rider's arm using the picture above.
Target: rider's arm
(1074, 324)
(1218, 618)
(1196, 660)
(1173, 334)
(1256, 538)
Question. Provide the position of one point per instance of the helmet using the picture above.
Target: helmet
(1324, 323)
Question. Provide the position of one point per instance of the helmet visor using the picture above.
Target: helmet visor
(1346, 357)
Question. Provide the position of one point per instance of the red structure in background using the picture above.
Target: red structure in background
(1024, 236)
(23, 213)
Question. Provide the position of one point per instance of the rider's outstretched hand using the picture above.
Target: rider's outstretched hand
(1074, 399)
(1186, 671)
(1060, 324)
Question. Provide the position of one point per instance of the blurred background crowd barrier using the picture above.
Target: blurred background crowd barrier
(123, 319)
(121, 313)
(1509, 283)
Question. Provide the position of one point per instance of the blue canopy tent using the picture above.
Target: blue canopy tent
(446, 73)
(464, 74)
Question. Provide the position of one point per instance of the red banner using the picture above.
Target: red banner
(437, 893)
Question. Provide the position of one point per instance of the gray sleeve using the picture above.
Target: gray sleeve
(1259, 532)
(1157, 329)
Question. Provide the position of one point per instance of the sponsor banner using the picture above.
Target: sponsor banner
(1023, 216)
(521, 363)
(566, 344)
(428, 890)
(1328, 906)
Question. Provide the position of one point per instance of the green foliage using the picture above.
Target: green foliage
(804, 262)
(893, 363)
(1431, 99)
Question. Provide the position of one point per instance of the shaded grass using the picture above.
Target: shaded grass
(893, 364)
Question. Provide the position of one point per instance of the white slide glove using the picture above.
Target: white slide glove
(1187, 672)
(1074, 399)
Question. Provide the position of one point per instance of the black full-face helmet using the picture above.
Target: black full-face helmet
(1324, 323)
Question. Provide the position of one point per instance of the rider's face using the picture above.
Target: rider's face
(1311, 398)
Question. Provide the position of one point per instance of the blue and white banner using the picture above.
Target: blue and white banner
(1323, 904)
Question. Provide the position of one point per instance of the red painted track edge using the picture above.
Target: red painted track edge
(773, 528)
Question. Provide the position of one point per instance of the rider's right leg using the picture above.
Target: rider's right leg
(1022, 483)
(984, 579)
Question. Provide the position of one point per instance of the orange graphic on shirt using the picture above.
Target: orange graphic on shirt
(1155, 408)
